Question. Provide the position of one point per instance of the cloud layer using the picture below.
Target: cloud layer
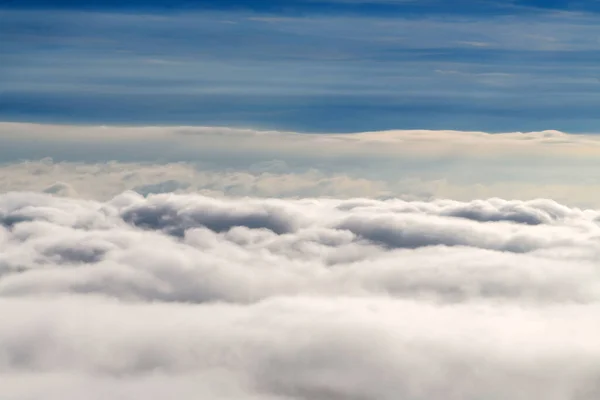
(173, 141)
(190, 296)
(99, 162)
(102, 181)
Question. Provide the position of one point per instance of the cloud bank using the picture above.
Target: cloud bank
(175, 140)
(190, 296)
(102, 181)
(100, 162)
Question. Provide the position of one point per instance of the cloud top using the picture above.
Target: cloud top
(252, 298)
(250, 249)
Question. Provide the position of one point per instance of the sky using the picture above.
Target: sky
(303, 65)
(299, 200)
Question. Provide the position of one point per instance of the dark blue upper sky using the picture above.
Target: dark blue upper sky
(307, 65)
(308, 7)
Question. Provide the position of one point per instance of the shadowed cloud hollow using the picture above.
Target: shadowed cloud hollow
(248, 298)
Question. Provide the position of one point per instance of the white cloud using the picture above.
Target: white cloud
(311, 288)
(190, 296)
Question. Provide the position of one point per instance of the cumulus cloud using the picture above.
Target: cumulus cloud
(192, 296)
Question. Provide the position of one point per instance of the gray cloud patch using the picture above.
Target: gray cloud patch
(188, 296)
(178, 214)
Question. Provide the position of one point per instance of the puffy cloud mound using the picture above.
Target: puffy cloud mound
(187, 296)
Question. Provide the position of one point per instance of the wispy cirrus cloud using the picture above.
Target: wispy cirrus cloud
(301, 72)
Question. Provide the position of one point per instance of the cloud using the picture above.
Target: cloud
(277, 178)
(251, 298)
(242, 264)
(302, 72)
(183, 141)
(301, 348)
(105, 180)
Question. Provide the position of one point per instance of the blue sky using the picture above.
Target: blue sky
(304, 65)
